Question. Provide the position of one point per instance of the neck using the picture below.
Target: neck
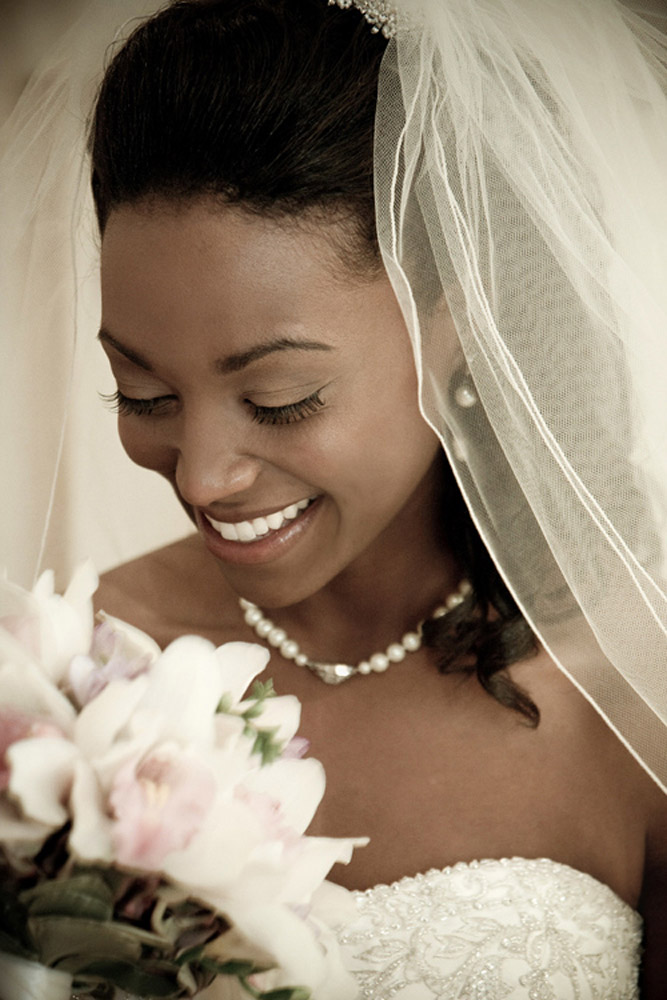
(395, 583)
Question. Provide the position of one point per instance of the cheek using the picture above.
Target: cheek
(374, 454)
(397, 455)
(144, 446)
(397, 437)
(399, 448)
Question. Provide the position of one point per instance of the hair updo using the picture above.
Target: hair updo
(265, 103)
(270, 105)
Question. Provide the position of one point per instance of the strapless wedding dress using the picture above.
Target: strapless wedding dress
(494, 930)
(491, 930)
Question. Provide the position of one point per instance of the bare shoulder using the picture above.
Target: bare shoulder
(174, 590)
(625, 808)
(566, 713)
(625, 790)
(575, 723)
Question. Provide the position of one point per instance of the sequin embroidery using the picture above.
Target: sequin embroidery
(489, 930)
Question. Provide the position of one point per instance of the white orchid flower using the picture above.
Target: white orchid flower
(159, 731)
(159, 760)
(36, 755)
(45, 626)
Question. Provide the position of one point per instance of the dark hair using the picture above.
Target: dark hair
(270, 104)
(267, 103)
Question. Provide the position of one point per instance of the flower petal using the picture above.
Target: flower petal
(185, 688)
(283, 714)
(215, 858)
(303, 960)
(90, 836)
(24, 836)
(297, 784)
(113, 656)
(81, 587)
(159, 803)
(25, 687)
(101, 720)
(135, 642)
(66, 623)
(19, 639)
(41, 775)
(240, 663)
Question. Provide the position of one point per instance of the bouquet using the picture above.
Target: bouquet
(152, 816)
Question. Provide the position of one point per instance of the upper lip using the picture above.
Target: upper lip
(236, 517)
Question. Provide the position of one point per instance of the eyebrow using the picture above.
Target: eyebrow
(230, 363)
(236, 362)
(105, 337)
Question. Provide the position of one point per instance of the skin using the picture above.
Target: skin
(430, 767)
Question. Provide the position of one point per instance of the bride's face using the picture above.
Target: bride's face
(275, 392)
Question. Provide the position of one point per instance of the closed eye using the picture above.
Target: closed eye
(129, 406)
(289, 414)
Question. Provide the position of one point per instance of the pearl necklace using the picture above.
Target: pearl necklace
(335, 673)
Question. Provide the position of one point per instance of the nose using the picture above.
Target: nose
(210, 467)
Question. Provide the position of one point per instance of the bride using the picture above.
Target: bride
(374, 310)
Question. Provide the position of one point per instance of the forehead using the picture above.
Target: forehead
(203, 232)
(185, 271)
(203, 249)
(199, 269)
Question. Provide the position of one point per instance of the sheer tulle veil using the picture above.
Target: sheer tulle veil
(522, 216)
(67, 490)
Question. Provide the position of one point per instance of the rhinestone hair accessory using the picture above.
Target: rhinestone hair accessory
(381, 16)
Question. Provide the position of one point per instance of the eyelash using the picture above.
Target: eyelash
(128, 406)
(288, 414)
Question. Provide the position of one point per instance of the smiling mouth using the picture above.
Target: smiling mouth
(259, 527)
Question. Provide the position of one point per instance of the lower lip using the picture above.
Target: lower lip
(266, 548)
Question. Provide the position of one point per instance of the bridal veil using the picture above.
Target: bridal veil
(522, 215)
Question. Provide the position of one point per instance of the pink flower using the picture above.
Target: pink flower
(158, 804)
(16, 725)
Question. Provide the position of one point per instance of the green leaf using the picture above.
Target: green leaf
(191, 955)
(93, 990)
(287, 993)
(253, 712)
(187, 924)
(193, 979)
(225, 705)
(261, 690)
(233, 967)
(80, 896)
(15, 946)
(138, 980)
(113, 878)
(266, 745)
(71, 944)
(14, 936)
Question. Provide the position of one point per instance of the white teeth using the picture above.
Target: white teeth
(246, 531)
(227, 531)
(250, 531)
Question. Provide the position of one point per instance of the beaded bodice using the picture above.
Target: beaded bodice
(489, 930)
(494, 930)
